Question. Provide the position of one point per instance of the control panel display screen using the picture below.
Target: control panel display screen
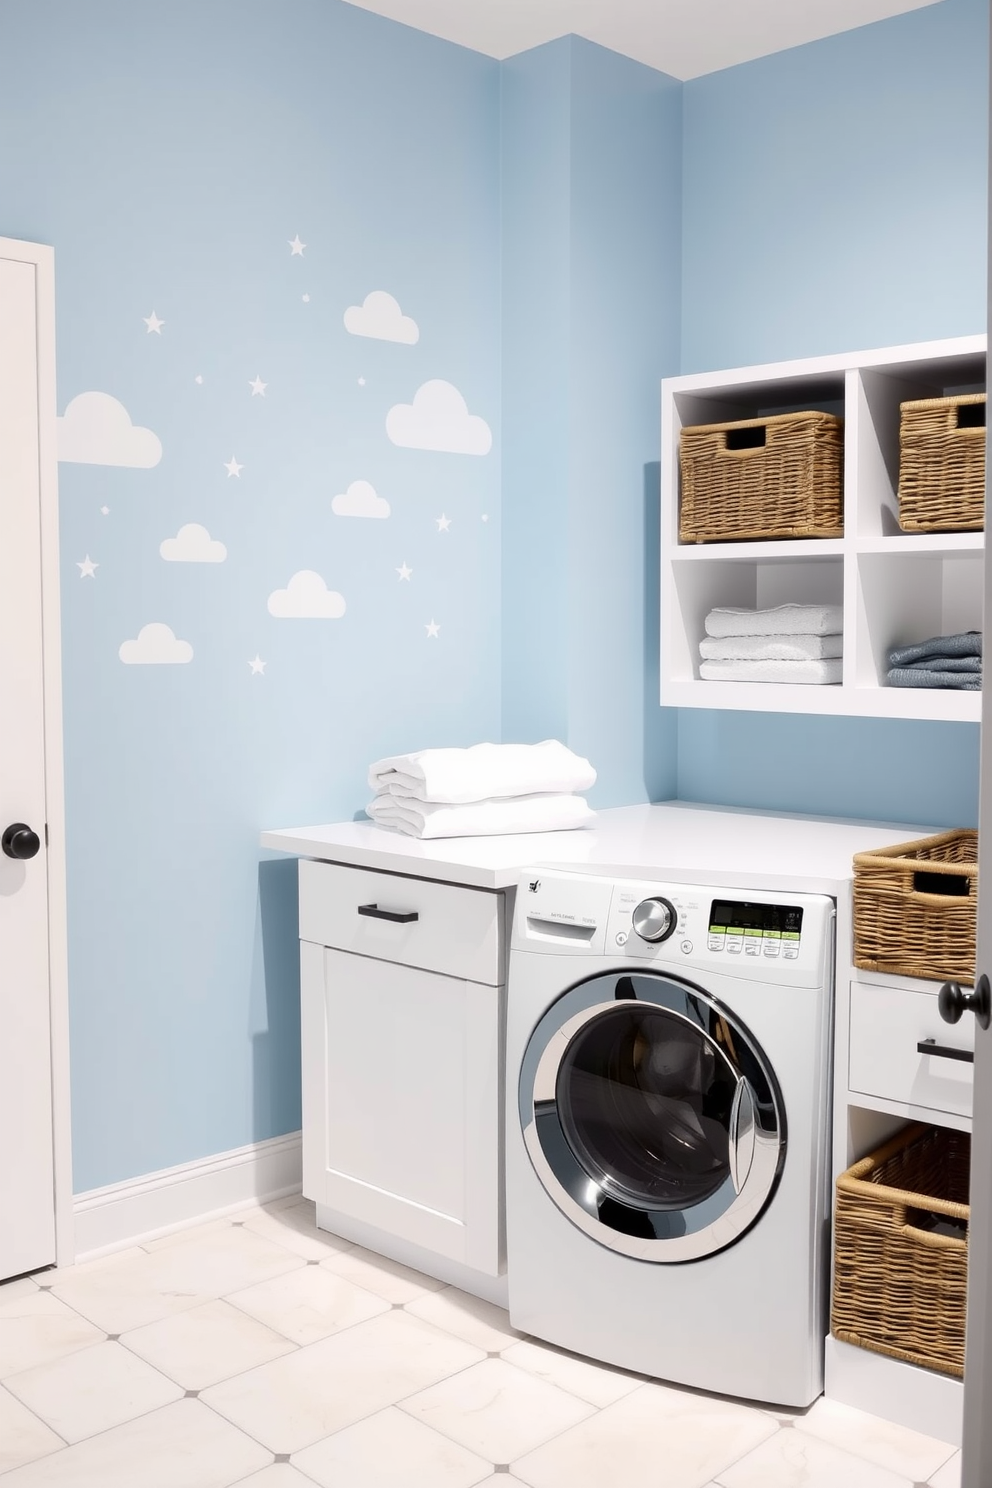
(737, 917)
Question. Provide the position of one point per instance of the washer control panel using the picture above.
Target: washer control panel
(770, 935)
(678, 921)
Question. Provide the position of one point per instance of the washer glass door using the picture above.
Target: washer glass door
(651, 1116)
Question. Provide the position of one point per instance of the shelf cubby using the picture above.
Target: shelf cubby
(875, 395)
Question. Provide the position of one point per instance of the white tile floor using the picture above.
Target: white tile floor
(260, 1352)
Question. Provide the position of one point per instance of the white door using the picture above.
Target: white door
(976, 1457)
(27, 1194)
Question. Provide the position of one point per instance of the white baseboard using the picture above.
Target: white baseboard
(122, 1214)
(466, 1278)
(919, 1399)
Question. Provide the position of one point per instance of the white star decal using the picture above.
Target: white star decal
(105, 510)
(296, 247)
(198, 377)
(257, 666)
(258, 388)
(404, 572)
(87, 569)
(484, 517)
(232, 467)
(432, 630)
(443, 522)
(306, 299)
(361, 382)
(153, 323)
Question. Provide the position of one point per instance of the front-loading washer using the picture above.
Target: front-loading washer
(667, 1163)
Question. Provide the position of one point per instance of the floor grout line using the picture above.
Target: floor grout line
(41, 1419)
(235, 1427)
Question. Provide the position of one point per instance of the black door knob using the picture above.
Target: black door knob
(953, 1001)
(19, 841)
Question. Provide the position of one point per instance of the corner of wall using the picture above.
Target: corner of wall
(591, 278)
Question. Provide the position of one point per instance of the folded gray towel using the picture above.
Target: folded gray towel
(946, 664)
(915, 677)
(964, 643)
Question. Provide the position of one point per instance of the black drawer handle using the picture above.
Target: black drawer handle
(931, 1046)
(399, 917)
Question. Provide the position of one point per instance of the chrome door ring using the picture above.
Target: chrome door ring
(756, 1130)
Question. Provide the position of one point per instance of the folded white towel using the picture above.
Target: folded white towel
(537, 813)
(824, 672)
(482, 773)
(787, 619)
(772, 648)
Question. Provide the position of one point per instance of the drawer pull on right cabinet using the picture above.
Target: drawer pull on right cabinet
(399, 917)
(931, 1046)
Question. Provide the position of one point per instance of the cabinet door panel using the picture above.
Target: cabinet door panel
(402, 1103)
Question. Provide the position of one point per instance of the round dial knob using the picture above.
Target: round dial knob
(19, 841)
(654, 919)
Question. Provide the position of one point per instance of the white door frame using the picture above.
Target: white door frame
(43, 260)
(976, 1446)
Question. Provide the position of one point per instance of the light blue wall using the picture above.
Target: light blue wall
(591, 232)
(835, 198)
(529, 218)
(835, 193)
(535, 92)
(171, 152)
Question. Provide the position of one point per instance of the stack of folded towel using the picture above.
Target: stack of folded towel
(790, 643)
(942, 661)
(485, 791)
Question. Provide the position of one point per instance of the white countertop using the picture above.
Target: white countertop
(672, 839)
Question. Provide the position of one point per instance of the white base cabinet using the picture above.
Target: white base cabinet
(401, 1061)
(882, 1080)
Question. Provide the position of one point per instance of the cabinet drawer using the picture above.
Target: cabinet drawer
(887, 1023)
(449, 929)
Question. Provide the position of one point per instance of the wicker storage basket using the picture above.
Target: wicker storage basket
(942, 464)
(899, 1288)
(759, 478)
(914, 907)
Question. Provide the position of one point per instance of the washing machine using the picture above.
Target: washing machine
(667, 1145)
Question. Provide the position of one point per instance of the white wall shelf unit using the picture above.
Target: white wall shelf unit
(895, 587)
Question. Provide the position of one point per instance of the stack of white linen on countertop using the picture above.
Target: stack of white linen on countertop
(487, 790)
(789, 643)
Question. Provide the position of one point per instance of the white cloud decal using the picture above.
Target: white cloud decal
(380, 316)
(360, 500)
(306, 597)
(155, 645)
(97, 430)
(438, 419)
(193, 544)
